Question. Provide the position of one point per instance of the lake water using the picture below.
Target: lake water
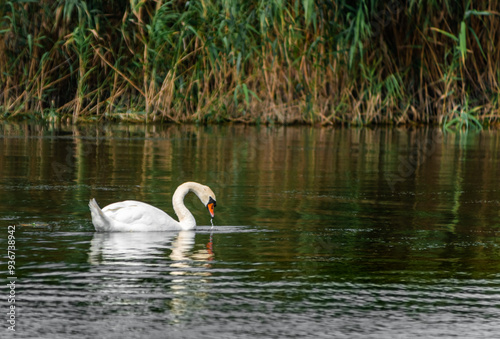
(319, 232)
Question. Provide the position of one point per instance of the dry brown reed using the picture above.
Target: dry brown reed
(326, 62)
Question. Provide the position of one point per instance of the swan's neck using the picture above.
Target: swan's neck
(186, 218)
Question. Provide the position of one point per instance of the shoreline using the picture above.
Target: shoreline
(69, 123)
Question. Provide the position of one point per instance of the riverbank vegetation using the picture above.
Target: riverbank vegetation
(273, 61)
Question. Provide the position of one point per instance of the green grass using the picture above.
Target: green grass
(273, 61)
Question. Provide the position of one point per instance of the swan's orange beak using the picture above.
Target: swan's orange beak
(211, 208)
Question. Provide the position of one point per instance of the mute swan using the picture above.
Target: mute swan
(130, 215)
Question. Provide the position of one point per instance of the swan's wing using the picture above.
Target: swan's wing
(136, 212)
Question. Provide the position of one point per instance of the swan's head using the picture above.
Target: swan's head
(204, 193)
(211, 203)
(211, 206)
(207, 197)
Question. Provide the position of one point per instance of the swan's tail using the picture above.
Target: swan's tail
(100, 221)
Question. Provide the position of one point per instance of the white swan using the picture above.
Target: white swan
(131, 216)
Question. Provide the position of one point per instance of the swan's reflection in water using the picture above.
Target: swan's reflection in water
(158, 270)
(133, 246)
(129, 247)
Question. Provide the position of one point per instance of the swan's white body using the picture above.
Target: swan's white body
(136, 216)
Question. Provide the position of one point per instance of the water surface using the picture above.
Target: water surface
(319, 232)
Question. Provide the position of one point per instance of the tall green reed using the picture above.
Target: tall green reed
(303, 61)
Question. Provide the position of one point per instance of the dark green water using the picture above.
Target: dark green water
(319, 233)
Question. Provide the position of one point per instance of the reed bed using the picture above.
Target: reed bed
(273, 61)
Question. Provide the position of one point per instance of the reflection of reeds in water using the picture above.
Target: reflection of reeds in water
(270, 171)
(258, 61)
